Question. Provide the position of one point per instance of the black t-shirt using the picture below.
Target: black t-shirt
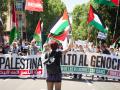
(106, 51)
(54, 67)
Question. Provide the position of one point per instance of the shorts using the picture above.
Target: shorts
(54, 77)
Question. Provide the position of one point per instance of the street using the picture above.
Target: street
(67, 84)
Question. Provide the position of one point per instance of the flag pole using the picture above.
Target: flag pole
(70, 34)
(116, 21)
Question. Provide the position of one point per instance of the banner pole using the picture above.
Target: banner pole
(116, 21)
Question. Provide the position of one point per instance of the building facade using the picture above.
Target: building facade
(20, 13)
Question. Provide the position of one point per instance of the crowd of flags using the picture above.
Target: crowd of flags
(61, 29)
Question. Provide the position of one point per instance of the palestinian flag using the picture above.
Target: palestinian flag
(60, 37)
(14, 31)
(61, 28)
(108, 2)
(95, 20)
(37, 34)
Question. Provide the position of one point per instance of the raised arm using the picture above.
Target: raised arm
(68, 48)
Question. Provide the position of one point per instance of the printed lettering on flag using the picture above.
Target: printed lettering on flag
(34, 5)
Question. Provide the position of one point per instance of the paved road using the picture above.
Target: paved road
(40, 84)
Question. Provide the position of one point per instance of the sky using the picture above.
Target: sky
(70, 4)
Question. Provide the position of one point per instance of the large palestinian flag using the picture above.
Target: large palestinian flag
(61, 28)
(95, 20)
(108, 2)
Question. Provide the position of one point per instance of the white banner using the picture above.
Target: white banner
(21, 66)
(91, 64)
(72, 62)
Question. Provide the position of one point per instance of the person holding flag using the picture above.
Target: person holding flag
(52, 62)
(53, 54)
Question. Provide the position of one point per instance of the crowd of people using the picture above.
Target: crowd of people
(20, 48)
(101, 48)
(25, 48)
(54, 51)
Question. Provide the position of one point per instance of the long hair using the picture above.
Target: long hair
(54, 45)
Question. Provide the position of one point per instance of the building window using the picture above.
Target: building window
(19, 6)
(19, 0)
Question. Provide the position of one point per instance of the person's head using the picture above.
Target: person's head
(111, 49)
(14, 44)
(54, 45)
(103, 47)
(92, 45)
(33, 43)
(98, 49)
(46, 47)
(81, 48)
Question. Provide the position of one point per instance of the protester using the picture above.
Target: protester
(112, 51)
(54, 74)
(54, 52)
(6, 48)
(105, 50)
(1, 50)
(117, 51)
(14, 48)
(78, 48)
(92, 48)
(81, 48)
(98, 50)
(33, 48)
(25, 49)
(75, 48)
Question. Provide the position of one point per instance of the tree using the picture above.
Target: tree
(3, 14)
(52, 10)
(81, 30)
(80, 26)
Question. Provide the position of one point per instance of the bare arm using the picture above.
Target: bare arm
(68, 48)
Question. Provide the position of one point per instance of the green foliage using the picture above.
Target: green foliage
(32, 20)
(81, 30)
(52, 10)
(3, 13)
(109, 15)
